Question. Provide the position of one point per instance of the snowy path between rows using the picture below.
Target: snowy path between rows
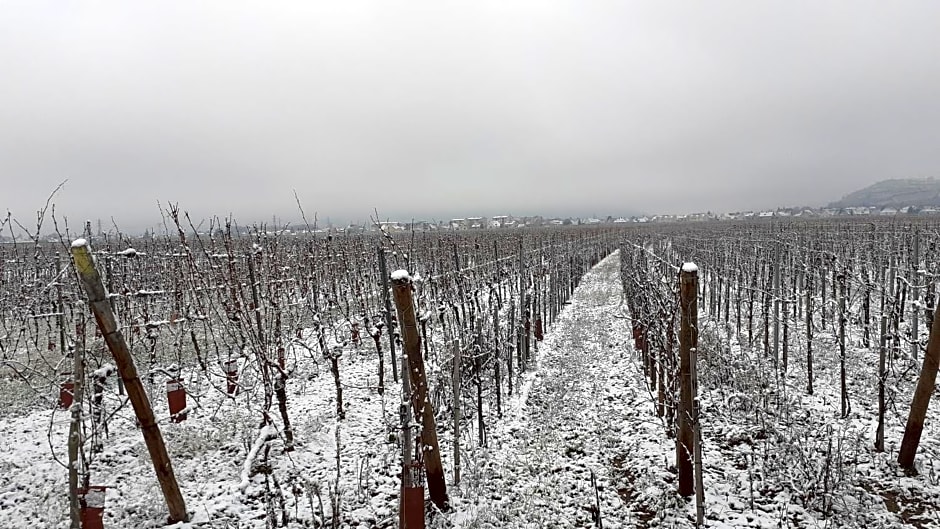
(583, 409)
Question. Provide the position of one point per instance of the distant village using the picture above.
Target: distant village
(513, 222)
(509, 221)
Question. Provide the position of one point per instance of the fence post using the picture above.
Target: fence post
(383, 270)
(421, 405)
(699, 471)
(688, 342)
(75, 426)
(925, 385)
(100, 307)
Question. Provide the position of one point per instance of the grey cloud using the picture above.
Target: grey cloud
(439, 108)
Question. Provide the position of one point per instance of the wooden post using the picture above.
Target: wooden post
(776, 296)
(513, 345)
(60, 306)
(810, 280)
(882, 378)
(785, 347)
(842, 295)
(891, 305)
(406, 509)
(688, 342)
(699, 471)
(260, 350)
(866, 310)
(750, 306)
(496, 346)
(823, 302)
(527, 328)
(98, 300)
(421, 405)
(925, 386)
(737, 298)
(75, 427)
(521, 271)
(383, 269)
(915, 297)
(455, 344)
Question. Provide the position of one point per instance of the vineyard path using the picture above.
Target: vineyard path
(584, 409)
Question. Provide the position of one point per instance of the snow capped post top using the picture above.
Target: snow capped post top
(400, 276)
(689, 268)
(81, 256)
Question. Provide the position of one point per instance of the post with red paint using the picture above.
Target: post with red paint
(231, 376)
(176, 396)
(412, 511)
(66, 389)
(414, 507)
(91, 501)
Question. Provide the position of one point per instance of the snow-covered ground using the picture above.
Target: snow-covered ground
(574, 419)
(579, 442)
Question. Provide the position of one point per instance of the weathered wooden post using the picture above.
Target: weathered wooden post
(455, 344)
(383, 270)
(421, 405)
(842, 294)
(75, 429)
(776, 298)
(60, 306)
(411, 500)
(98, 301)
(688, 342)
(882, 378)
(527, 328)
(925, 386)
(810, 279)
(699, 471)
(915, 296)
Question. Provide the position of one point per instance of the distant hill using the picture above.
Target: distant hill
(895, 193)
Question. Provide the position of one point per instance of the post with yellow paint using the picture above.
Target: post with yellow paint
(98, 301)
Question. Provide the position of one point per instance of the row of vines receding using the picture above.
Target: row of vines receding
(813, 366)
(230, 326)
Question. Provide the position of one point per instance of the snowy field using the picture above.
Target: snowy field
(579, 445)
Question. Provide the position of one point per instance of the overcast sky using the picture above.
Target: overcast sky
(437, 109)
